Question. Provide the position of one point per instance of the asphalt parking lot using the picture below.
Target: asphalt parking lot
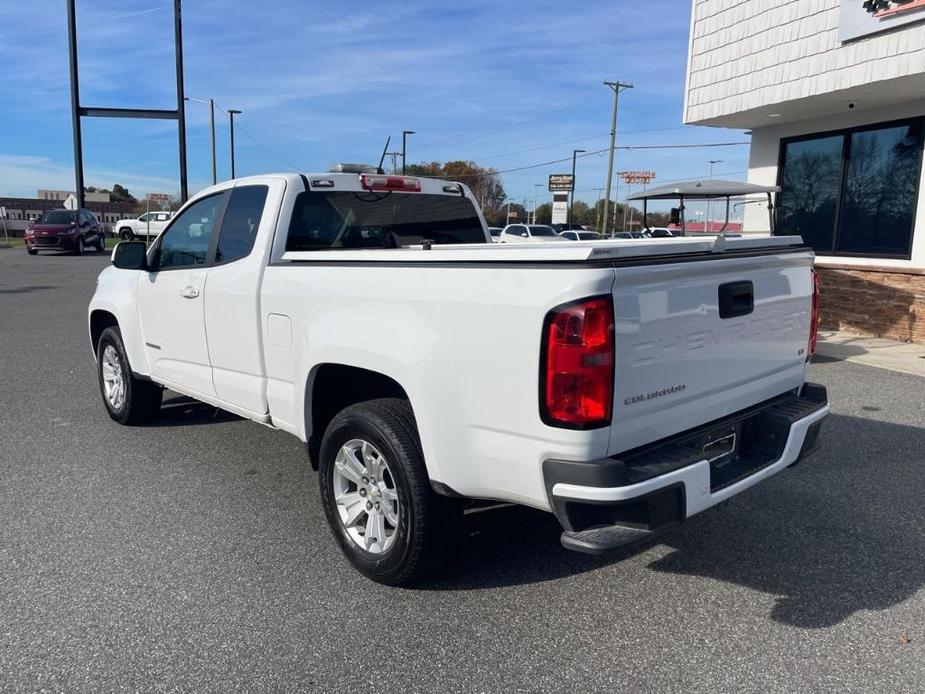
(193, 555)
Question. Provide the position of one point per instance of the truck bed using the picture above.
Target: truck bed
(554, 252)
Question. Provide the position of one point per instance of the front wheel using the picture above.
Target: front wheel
(127, 398)
(126, 234)
(100, 242)
(377, 497)
(79, 245)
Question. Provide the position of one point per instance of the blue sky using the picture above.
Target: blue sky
(505, 83)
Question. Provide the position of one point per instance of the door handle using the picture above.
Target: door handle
(736, 299)
(189, 292)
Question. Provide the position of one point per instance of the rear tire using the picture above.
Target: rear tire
(79, 247)
(100, 242)
(128, 400)
(418, 523)
(31, 251)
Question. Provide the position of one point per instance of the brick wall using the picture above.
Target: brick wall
(883, 302)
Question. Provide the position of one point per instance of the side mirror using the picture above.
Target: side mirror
(675, 215)
(130, 255)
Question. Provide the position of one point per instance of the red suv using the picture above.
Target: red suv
(64, 230)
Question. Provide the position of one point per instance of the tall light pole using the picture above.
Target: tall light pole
(211, 104)
(231, 115)
(571, 195)
(535, 187)
(709, 201)
(617, 87)
(404, 148)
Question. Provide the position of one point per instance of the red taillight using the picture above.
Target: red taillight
(400, 183)
(578, 348)
(814, 318)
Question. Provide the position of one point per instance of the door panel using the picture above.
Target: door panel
(171, 298)
(170, 309)
(232, 305)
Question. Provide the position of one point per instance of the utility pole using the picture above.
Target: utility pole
(597, 208)
(535, 187)
(571, 194)
(626, 205)
(395, 156)
(211, 104)
(709, 201)
(404, 148)
(617, 87)
(231, 115)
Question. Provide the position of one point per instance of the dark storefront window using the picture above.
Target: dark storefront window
(853, 192)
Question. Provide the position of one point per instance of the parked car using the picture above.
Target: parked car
(527, 233)
(660, 233)
(64, 230)
(495, 234)
(147, 226)
(327, 306)
(629, 235)
(559, 228)
(580, 235)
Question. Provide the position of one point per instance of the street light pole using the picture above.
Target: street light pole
(617, 87)
(404, 148)
(535, 186)
(709, 201)
(211, 104)
(571, 194)
(231, 115)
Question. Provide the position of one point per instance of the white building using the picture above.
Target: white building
(62, 195)
(834, 94)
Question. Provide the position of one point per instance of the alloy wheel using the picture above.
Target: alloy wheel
(366, 496)
(113, 379)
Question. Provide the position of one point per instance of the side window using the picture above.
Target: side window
(144, 217)
(240, 223)
(185, 243)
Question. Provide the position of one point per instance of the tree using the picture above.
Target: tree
(544, 213)
(485, 184)
(120, 194)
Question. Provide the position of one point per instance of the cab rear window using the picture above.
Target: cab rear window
(347, 219)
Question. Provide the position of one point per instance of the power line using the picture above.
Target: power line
(600, 151)
(260, 144)
(498, 155)
(661, 183)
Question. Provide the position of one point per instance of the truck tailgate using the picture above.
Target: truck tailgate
(700, 339)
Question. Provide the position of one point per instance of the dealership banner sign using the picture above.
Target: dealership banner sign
(561, 182)
(859, 18)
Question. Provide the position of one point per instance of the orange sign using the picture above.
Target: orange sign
(632, 177)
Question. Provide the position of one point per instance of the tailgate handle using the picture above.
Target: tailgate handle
(736, 299)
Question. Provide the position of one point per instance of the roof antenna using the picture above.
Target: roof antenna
(382, 158)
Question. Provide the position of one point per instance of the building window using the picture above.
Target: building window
(852, 192)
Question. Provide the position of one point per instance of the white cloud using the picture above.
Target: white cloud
(24, 175)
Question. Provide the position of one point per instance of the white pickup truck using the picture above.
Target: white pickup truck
(147, 226)
(643, 381)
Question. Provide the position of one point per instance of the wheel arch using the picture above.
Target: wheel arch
(330, 387)
(100, 319)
